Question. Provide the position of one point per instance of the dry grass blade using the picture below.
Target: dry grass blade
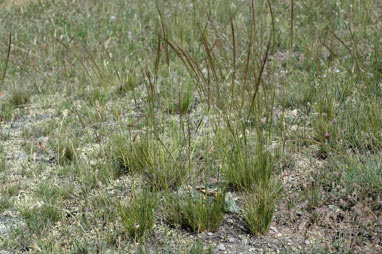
(93, 61)
(6, 62)
(164, 34)
(348, 49)
(291, 24)
(233, 57)
(78, 58)
(265, 58)
(192, 67)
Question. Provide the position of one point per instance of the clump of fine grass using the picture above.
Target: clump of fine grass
(15, 98)
(199, 248)
(195, 211)
(6, 112)
(180, 102)
(138, 216)
(362, 176)
(128, 156)
(19, 97)
(40, 217)
(259, 207)
(246, 169)
(3, 159)
(65, 149)
(148, 157)
(130, 83)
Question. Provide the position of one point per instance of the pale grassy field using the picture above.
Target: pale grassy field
(187, 126)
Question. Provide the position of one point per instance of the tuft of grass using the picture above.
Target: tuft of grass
(260, 206)
(127, 86)
(41, 218)
(195, 211)
(5, 203)
(138, 216)
(199, 248)
(65, 149)
(19, 97)
(148, 157)
(247, 162)
(179, 103)
(360, 175)
(128, 156)
(6, 112)
(3, 164)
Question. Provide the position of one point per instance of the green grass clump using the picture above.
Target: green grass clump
(148, 157)
(6, 112)
(199, 248)
(196, 211)
(178, 100)
(129, 156)
(361, 176)
(40, 217)
(259, 207)
(19, 97)
(247, 167)
(138, 216)
(66, 151)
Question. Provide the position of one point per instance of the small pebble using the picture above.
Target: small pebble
(274, 229)
(221, 247)
(307, 242)
(231, 239)
(21, 156)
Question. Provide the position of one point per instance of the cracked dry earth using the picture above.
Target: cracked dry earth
(333, 224)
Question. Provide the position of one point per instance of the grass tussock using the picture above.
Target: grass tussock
(138, 216)
(195, 211)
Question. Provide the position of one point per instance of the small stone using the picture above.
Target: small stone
(21, 156)
(231, 239)
(251, 250)
(307, 242)
(210, 234)
(274, 229)
(221, 247)
(3, 229)
(230, 204)
(279, 235)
